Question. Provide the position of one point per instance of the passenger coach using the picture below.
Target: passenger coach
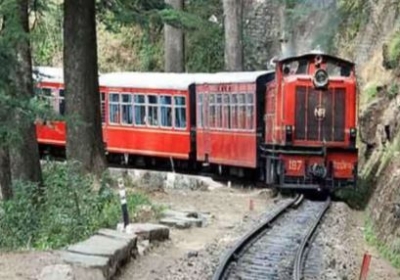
(294, 127)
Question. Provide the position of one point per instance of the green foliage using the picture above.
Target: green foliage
(393, 51)
(389, 251)
(46, 34)
(394, 47)
(371, 91)
(393, 90)
(355, 14)
(357, 198)
(205, 44)
(204, 49)
(70, 210)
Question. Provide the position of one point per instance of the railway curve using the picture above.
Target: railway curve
(276, 248)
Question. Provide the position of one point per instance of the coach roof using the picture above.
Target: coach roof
(48, 74)
(177, 81)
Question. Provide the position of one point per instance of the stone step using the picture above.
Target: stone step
(147, 231)
(106, 251)
(94, 263)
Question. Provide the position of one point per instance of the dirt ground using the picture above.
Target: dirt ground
(232, 219)
(25, 265)
(380, 268)
(228, 207)
(193, 253)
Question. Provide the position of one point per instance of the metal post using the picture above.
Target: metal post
(172, 164)
(365, 266)
(124, 207)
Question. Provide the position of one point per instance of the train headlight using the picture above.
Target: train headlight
(353, 136)
(353, 132)
(321, 78)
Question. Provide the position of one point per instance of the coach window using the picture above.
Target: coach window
(218, 110)
(152, 110)
(200, 113)
(180, 111)
(44, 94)
(241, 111)
(140, 109)
(103, 107)
(234, 111)
(211, 106)
(54, 101)
(127, 109)
(226, 112)
(114, 108)
(61, 102)
(166, 111)
(334, 68)
(250, 111)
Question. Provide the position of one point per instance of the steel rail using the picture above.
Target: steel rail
(299, 260)
(233, 254)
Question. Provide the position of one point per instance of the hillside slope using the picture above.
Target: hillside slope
(370, 37)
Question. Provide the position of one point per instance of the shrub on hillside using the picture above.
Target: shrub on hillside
(70, 210)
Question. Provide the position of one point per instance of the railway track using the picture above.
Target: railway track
(275, 249)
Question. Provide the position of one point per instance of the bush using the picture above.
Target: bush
(70, 210)
(371, 91)
(394, 50)
(390, 251)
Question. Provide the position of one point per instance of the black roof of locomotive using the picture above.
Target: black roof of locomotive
(314, 53)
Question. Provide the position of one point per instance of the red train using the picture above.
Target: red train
(294, 127)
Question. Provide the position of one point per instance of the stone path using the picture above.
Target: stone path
(100, 256)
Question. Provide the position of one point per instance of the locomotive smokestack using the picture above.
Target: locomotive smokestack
(287, 46)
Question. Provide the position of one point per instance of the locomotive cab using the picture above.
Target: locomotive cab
(310, 123)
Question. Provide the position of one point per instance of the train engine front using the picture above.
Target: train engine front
(310, 120)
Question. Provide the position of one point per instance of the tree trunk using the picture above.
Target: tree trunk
(174, 43)
(84, 129)
(5, 173)
(288, 45)
(233, 35)
(25, 156)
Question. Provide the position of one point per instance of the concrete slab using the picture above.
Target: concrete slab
(176, 222)
(151, 232)
(102, 246)
(101, 264)
(117, 251)
(116, 234)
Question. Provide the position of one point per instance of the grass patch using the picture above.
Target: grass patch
(393, 90)
(70, 211)
(358, 198)
(394, 50)
(391, 252)
(371, 91)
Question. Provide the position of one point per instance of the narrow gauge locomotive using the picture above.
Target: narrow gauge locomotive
(294, 127)
(310, 123)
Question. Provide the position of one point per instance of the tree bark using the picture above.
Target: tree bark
(84, 129)
(25, 156)
(174, 43)
(287, 40)
(5, 173)
(233, 35)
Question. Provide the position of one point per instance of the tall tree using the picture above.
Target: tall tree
(5, 173)
(84, 130)
(174, 43)
(25, 158)
(233, 35)
(288, 45)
